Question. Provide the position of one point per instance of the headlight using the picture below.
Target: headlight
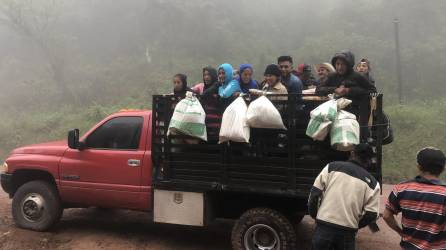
(5, 167)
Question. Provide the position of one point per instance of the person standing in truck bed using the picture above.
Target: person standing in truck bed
(245, 79)
(180, 85)
(290, 81)
(363, 67)
(345, 82)
(273, 83)
(209, 82)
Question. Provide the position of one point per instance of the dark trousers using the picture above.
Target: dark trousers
(331, 238)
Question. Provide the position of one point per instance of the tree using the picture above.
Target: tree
(36, 20)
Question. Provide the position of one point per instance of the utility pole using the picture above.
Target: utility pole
(398, 60)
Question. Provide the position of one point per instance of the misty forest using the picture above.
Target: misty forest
(67, 64)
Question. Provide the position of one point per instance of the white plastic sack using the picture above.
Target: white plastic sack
(321, 119)
(262, 114)
(344, 132)
(188, 118)
(342, 103)
(323, 116)
(233, 124)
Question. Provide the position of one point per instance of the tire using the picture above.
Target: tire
(36, 206)
(263, 228)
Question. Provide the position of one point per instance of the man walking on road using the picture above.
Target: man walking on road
(349, 199)
(422, 202)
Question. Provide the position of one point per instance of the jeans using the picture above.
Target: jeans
(330, 238)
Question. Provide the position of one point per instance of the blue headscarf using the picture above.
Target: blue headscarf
(252, 84)
(230, 86)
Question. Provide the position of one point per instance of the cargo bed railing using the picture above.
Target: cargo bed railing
(279, 162)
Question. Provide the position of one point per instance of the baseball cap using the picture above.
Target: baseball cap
(431, 156)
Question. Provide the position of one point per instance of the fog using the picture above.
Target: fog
(71, 55)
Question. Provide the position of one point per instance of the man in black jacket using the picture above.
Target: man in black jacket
(345, 82)
(344, 198)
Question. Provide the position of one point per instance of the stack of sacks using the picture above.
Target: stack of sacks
(238, 118)
(343, 126)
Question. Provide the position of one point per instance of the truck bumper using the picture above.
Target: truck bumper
(6, 181)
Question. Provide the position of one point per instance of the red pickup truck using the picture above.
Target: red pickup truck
(114, 170)
(128, 161)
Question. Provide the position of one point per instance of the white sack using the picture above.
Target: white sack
(320, 120)
(344, 132)
(188, 118)
(233, 124)
(262, 114)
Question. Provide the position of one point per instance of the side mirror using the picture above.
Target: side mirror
(73, 139)
(81, 145)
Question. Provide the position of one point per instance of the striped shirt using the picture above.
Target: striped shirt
(422, 203)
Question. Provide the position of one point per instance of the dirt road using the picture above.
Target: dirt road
(115, 229)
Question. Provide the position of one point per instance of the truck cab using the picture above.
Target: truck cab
(109, 166)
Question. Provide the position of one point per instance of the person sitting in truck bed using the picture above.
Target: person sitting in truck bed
(345, 82)
(180, 85)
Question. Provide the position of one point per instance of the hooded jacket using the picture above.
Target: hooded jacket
(230, 86)
(359, 89)
(252, 84)
(369, 77)
(358, 85)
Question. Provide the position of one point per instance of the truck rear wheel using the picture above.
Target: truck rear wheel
(263, 229)
(36, 206)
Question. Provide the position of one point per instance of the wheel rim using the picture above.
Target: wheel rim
(33, 206)
(261, 237)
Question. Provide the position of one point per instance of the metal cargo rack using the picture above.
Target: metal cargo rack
(275, 162)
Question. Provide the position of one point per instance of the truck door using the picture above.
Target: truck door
(107, 172)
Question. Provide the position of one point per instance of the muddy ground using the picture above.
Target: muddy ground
(118, 229)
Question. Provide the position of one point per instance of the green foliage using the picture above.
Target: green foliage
(416, 126)
(48, 125)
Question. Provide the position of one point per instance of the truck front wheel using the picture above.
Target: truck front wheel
(263, 229)
(36, 206)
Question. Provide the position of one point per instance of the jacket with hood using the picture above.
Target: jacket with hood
(207, 89)
(359, 89)
(369, 77)
(230, 86)
(211, 105)
(359, 86)
(252, 84)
